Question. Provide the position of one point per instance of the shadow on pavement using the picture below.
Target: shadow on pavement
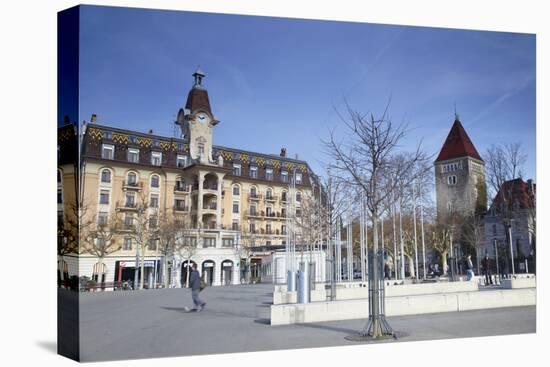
(330, 328)
(50, 346)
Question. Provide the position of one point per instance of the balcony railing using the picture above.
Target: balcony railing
(270, 198)
(132, 185)
(210, 206)
(126, 205)
(210, 186)
(254, 196)
(181, 188)
(181, 208)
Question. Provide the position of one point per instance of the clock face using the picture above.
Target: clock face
(202, 117)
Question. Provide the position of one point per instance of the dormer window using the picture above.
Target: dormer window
(236, 169)
(181, 161)
(269, 174)
(284, 176)
(298, 178)
(133, 155)
(156, 158)
(107, 151)
(253, 172)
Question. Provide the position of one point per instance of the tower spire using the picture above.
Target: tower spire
(456, 114)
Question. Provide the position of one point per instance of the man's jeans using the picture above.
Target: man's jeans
(470, 274)
(196, 300)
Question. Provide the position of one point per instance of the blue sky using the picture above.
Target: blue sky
(275, 82)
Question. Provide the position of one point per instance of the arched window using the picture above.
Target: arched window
(451, 180)
(236, 190)
(269, 194)
(284, 196)
(155, 181)
(106, 176)
(253, 192)
(132, 179)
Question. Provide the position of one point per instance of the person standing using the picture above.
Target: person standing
(485, 263)
(195, 284)
(469, 267)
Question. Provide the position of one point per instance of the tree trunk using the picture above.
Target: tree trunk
(100, 272)
(444, 261)
(142, 267)
(412, 273)
(376, 327)
(165, 271)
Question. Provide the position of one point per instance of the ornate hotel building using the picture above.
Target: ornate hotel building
(229, 203)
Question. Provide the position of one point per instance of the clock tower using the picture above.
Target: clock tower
(196, 121)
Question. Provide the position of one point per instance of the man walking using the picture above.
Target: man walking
(195, 284)
(485, 263)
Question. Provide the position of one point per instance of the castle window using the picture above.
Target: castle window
(107, 151)
(133, 155)
(284, 176)
(269, 174)
(106, 176)
(104, 197)
(181, 161)
(254, 172)
(155, 181)
(236, 169)
(451, 180)
(156, 158)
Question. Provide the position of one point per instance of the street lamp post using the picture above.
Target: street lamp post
(496, 258)
(511, 246)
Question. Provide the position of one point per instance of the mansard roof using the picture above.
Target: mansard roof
(458, 144)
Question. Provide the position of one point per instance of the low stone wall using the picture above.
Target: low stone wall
(402, 305)
(359, 290)
(520, 281)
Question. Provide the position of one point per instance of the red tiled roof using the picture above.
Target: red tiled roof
(515, 191)
(197, 99)
(457, 144)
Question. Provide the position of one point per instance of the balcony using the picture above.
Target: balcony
(209, 206)
(254, 197)
(181, 208)
(252, 213)
(132, 185)
(270, 198)
(181, 188)
(210, 186)
(132, 206)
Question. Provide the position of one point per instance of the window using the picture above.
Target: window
(283, 196)
(58, 176)
(298, 196)
(298, 178)
(209, 242)
(107, 135)
(268, 211)
(181, 161)
(132, 179)
(268, 243)
(105, 176)
(235, 225)
(156, 143)
(104, 197)
(269, 194)
(298, 213)
(283, 230)
(253, 210)
(449, 207)
(253, 172)
(156, 158)
(283, 212)
(155, 181)
(60, 218)
(107, 151)
(59, 197)
(179, 204)
(132, 139)
(227, 242)
(253, 192)
(153, 221)
(130, 201)
(268, 228)
(102, 219)
(154, 202)
(180, 184)
(236, 169)
(128, 221)
(201, 149)
(269, 174)
(236, 190)
(451, 180)
(133, 155)
(153, 244)
(235, 207)
(179, 146)
(127, 244)
(252, 227)
(284, 176)
(100, 242)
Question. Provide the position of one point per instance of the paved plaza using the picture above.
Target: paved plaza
(146, 324)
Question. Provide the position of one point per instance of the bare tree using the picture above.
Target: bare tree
(186, 246)
(167, 234)
(361, 159)
(101, 241)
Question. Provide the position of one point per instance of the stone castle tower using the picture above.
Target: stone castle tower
(459, 170)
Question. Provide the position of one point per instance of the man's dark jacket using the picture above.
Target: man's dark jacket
(195, 280)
